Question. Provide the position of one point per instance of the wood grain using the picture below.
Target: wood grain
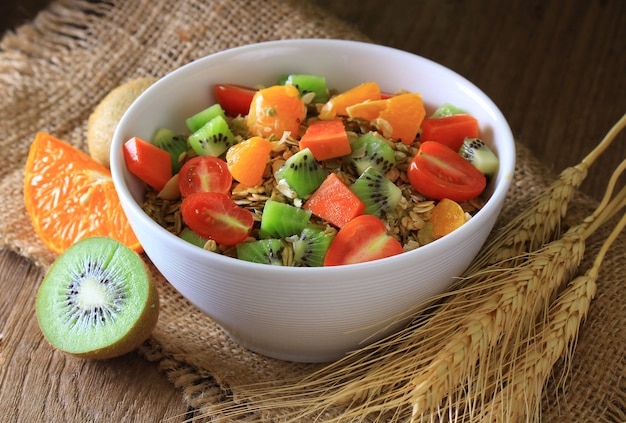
(556, 70)
(39, 383)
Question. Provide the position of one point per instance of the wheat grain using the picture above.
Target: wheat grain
(538, 222)
(555, 339)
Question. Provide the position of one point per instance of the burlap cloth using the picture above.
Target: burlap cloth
(53, 72)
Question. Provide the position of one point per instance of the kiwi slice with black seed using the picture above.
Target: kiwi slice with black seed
(476, 152)
(309, 249)
(371, 150)
(173, 143)
(378, 193)
(264, 251)
(213, 138)
(282, 220)
(97, 300)
(302, 173)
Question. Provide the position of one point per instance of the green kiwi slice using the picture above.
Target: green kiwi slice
(302, 173)
(213, 138)
(371, 150)
(201, 118)
(477, 153)
(281, 220)
(97, 300)
(309, 249)
(175, 144)
(377, 192)
(264, 251)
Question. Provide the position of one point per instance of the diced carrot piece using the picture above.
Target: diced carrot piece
(337, 105)
(446, 216)
(326, 139)
(334, 202)
(247, 160)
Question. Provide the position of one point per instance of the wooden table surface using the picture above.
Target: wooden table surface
(555, 68)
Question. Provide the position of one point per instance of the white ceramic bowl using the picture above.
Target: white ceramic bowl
(308, 314)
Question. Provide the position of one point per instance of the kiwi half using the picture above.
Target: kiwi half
(97, 300)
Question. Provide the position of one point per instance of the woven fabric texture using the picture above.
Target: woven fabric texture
(55, 70)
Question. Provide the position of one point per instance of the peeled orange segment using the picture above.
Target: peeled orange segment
(69, 196)
(247, 160)
(402, 117)
(368, 110)
(338, 104)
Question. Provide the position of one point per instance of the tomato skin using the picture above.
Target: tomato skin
(362, 239)
(148, 162)
(204, 174)
(234, 99)
(450, 130)
(439, 172)
(215, 216)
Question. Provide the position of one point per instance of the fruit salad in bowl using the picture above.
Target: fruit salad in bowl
(305, 202)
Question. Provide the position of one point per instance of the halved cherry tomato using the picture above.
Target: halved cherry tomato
(215, 216)
(148, 162)
(439, 172)
(234, 99)
(204, 174)
(362, 239)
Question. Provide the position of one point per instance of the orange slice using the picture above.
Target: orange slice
(69, 196)
(247, 160)
(402, 117)
(337, 105)
(368, 110)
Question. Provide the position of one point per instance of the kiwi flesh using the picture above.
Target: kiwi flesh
(201, 118)
(302, 173)
(97, 300)
(371, 150)
(173, 143)
(378, 193)
(475, 151)
(213, 138)
(309, 249)
(264, 251)
(282, 220)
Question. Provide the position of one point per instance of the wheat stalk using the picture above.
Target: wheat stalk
(555, 339)
(538, 222)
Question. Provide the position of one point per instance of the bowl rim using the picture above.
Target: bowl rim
(505, 155)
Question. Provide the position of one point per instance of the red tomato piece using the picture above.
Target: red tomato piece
(234, 99)
(450, 130)
(439, 172)
(204, 174)
(364, 238)
(215, 216)
(148, 162)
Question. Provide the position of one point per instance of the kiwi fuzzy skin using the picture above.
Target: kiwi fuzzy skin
(135, 336)
(105, 117)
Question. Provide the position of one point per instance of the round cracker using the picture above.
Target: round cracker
(107, 114)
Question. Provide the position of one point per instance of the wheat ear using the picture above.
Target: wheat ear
(538, 222)
(555, 339)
